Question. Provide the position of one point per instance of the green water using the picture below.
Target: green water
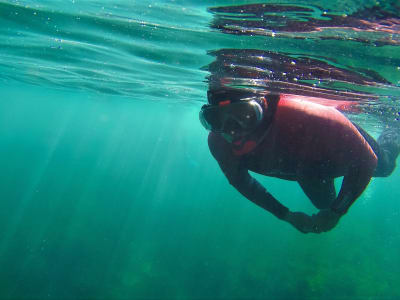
(108, 189)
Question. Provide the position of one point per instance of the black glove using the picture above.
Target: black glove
(324, 220)
(300, 221)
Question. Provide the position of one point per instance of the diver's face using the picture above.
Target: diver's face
(233, 121)
(233, 130)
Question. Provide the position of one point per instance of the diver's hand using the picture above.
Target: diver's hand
(300, 221)
(324, 220)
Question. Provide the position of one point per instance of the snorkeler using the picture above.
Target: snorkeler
(287, 137)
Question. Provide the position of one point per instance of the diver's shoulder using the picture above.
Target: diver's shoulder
(310, 106)
(305, 103)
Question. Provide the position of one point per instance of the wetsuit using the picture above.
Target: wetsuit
(305, 142)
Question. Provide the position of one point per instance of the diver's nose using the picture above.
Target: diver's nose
(230, 129)
(230, 126)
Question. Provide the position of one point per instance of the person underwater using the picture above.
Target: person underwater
(286, 137)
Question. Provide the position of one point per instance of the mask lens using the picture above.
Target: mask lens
(234, 119)
(210, 118)
(249, 115)
(233, 127)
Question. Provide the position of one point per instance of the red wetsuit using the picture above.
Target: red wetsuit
(306, 142)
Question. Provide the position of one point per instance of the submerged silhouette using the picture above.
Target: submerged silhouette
(281, 115)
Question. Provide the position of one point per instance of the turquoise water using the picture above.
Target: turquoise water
(108, 189)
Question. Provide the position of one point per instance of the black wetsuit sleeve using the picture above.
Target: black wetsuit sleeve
(239, 177)
(354, 183)
(358, 176)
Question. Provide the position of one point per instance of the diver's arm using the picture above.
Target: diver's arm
(240, 178)
(256, 193)
(354, 183)
(359, 174)
(250, 188)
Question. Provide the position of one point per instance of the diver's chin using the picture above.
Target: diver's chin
(236, 140)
